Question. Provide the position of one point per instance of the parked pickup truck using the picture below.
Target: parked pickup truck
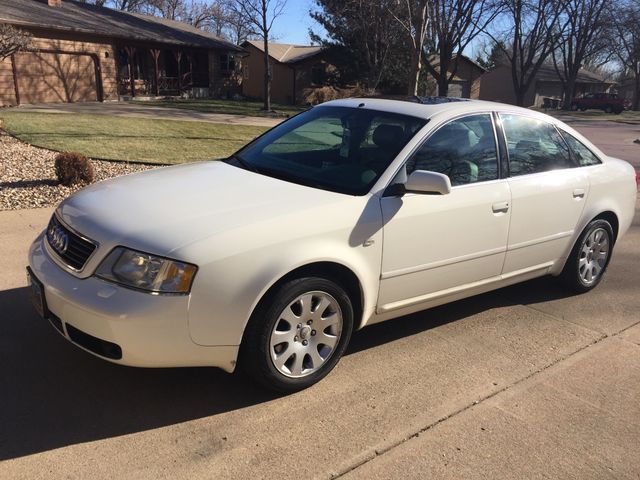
(609, 102)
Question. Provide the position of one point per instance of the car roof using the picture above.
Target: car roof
(429, 107)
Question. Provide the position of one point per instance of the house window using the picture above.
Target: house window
(227, 63)
(318, 74)
(245, 72)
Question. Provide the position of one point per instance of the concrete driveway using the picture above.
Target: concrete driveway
(524, 382)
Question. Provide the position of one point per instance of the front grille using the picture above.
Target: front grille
(72, 249)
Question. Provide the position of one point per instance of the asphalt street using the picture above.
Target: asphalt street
(523, 382)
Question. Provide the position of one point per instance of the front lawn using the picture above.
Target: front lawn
(233, 107)
(126, 138)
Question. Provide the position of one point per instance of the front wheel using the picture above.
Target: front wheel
(589, 258)
(295, 338)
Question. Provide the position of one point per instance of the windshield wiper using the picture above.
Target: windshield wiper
(243, 163)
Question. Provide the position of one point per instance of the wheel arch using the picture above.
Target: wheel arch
(331, 270)
(610, 217)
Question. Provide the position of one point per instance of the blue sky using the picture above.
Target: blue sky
(293, 25)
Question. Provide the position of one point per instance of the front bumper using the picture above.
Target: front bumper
(149, 330)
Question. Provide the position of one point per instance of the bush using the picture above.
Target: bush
(315, 96)
(73, 168)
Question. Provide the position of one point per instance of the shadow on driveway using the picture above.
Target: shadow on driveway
(54, 394)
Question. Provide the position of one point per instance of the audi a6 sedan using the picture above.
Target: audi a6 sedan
(351, 213)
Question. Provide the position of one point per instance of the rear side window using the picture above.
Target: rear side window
(534, 146)
(463, 149)
(581, 153)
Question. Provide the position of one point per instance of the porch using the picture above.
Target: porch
(164, 71)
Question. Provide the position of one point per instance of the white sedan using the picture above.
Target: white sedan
(351, 213)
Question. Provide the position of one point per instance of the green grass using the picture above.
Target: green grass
(130, 139)
(628, 116)
(233, 107)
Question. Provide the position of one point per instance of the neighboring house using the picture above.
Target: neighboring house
(497, 85)
(627, 89)
(466, 81)
(82, 52)
(295, 70)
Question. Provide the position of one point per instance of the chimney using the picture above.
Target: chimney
(55, 3)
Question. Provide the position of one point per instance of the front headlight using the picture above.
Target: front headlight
(146, 272)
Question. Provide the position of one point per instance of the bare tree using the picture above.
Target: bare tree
(454, 25)
(413, 16)
(238, 29)
(626, 43)
(12, 40)
(261, 14)
(126, 5)
(533, 30)
(583, 38)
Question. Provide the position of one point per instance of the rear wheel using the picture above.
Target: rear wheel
(296, 338)
(589, 258)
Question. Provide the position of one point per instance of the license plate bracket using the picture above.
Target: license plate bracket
(36, 291)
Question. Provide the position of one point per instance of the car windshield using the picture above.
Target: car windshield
(341, 149)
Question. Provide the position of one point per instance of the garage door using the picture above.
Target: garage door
(55, 77)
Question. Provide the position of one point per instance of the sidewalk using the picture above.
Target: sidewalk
(123, 109)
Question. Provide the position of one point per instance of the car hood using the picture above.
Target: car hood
(160, 211)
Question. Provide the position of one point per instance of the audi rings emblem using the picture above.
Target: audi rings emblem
(58, 239)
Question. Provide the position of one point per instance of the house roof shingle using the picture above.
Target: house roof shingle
(287, 53)
(78, 17)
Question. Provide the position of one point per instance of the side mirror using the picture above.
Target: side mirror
(422, 181)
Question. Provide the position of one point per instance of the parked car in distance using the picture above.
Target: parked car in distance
(608, 102)
(351, 213)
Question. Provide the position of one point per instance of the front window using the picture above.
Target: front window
(463, 149)
(340, 149)
(227, 63)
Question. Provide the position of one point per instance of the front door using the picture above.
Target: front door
(438, 244)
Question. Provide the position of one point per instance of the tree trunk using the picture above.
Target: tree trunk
(520, 97)
(267, 76)
(443, 84)
(636, 93)
(569, 93)
(414, 75)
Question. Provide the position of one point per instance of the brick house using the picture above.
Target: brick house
(82, 52)
(295, 69)
(464, 84)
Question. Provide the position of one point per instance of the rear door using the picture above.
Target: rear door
(548, 193)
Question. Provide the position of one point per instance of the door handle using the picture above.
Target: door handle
(578, 193)
(500, 207)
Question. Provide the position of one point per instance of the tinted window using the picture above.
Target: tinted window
(581, 154)
(341, 149)
(534, 145)
(464, 150)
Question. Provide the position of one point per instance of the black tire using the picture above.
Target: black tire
(572, 274)
(608, 109)
(256, 350)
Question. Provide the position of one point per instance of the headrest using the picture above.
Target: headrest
(388, 136)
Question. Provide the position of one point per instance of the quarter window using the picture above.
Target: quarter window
(581, 153)
(534, 145)
(463, 149)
